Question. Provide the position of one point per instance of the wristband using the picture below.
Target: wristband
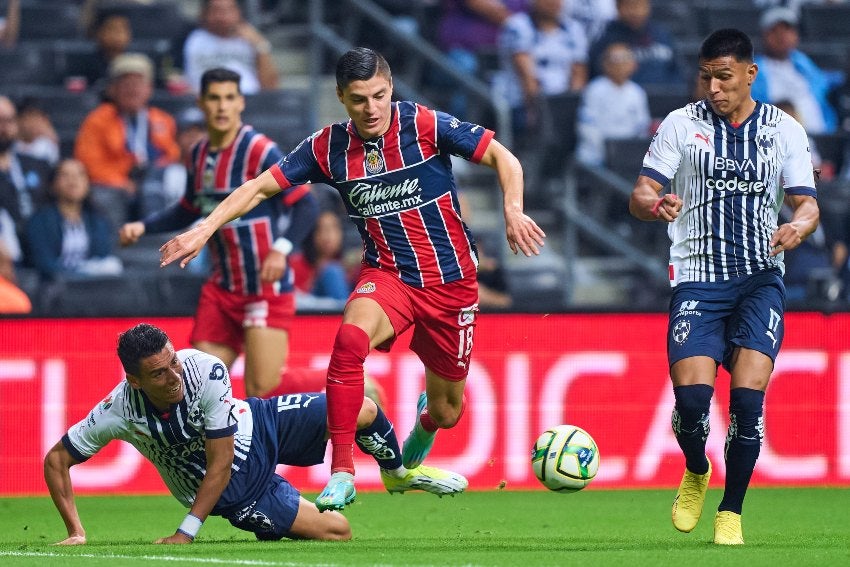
(190, 526)
(657, 206)
(282, 245)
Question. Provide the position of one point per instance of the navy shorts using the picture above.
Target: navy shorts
(288, 430)
(713, 318)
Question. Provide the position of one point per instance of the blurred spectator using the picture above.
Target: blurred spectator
(23, 179)
(224, 39)
(36, 135)
(541, 56)
(9, 241)
(613, 107)
(10, 24)
(651, 42)
(13, 300)
(112, 34)
(786, 73)
(320, 277)
(468, 32)
(125, 144)
(69, 237)
(593, 15)
(191, 127)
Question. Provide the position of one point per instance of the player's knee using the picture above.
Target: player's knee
(368, 413)
(337, 527)
(446, 421)
(445, 416)
(351, 344)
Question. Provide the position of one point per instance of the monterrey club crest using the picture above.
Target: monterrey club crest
(374, 161)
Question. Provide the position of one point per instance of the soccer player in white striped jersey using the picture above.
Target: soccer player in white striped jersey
(729, 162)
(217, 454)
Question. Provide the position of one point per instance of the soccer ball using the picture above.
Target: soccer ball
(565, 458)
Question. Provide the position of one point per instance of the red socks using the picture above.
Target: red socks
(345, 393)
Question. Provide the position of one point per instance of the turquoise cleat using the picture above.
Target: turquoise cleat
(418, 444)
(338, 493)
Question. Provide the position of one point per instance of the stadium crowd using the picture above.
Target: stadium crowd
(98, 136)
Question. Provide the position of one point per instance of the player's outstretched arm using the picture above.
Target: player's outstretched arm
(57, 466)
(522, 232)
(219, 457)
(646, 203)
(189, 244)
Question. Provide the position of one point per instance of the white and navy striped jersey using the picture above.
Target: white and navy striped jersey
(731, 180)
(173, 442)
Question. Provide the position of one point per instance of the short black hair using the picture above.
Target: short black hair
(139, 342)
(361, 64)
(219, 75)
(727, 42)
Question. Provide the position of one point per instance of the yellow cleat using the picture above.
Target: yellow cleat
(687, 507)
(727, 529)
(430, 479)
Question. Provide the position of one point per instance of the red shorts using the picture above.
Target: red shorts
(443, 318)
(222, 316)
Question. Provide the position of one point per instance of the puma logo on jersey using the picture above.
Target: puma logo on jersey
(704, 138)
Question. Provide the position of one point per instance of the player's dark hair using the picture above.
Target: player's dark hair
(361, 64)
(219, 75)
(139, 342)
(727, 42)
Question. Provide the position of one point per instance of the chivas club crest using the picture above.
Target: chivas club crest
(374, 161)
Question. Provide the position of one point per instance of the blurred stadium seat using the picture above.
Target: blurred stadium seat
(821, 22)
(284, 115)
(663, 99)
(625, 157)
(152, 20)
(716, 15)
(28, 64)
(110, 296)
(49, 20)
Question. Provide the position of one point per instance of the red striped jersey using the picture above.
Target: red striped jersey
(398, 189)
(239, 247)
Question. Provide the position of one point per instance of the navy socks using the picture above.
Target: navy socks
(690, 424)
(743, 444)
(379, 440)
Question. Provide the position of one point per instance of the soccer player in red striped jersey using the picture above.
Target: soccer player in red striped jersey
(248, 301)
(391, 164)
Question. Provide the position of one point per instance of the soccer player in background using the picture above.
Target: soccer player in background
(391, 164)
(249, 298)
(729, 162)
(217, 454)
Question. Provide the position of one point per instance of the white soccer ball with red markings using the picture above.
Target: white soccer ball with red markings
(565, 458)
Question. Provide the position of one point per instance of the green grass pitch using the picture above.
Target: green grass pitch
(792, 526)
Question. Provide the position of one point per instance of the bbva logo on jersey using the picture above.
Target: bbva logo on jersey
(729, 164)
